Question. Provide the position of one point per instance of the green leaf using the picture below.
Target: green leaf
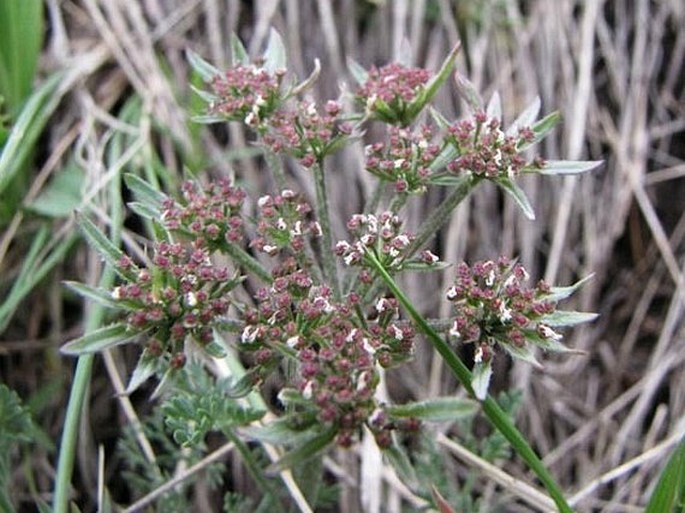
(308, 82)
(524, 353)
(144, 192)
(278, 432)
(439, 119)
(21, 40)
(100, 296)
(100, 339)
(441, 409)
(28, 128)
(549, 344)
(433, 85)
(559, 293)
(274, 56)
(357, 71)
(669, 494)
(526, 118)
(468, 92)
(214, 350)
(511, 188)
(446, 180)
(304, 451)
(206, 71)
(494, 108)
(568, 318)
(35, 266)
(145, 369)
(99, 241)
(568, 167)
(238, 52)
(206, 96)
(446, 155)
(143, 210)
(398, 458)
(62, 195)
(208, 119)
(423, 267)
(540, 130)
(480, 379)
(15, 420)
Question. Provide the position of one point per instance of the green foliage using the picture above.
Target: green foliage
(200, 405)
(16, 429)
(432, 464)
(21, 39)
(143, 476)
(669, 494)
(62, 195)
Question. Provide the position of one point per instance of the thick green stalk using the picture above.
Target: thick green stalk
(77, 395)
(494, 413)
(84, 366)
(327, 256)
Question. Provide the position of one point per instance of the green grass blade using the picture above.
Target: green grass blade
(669, 494)
(34, 269)
(21, 39)
(28, 127)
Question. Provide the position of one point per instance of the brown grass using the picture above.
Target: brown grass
(604, 422)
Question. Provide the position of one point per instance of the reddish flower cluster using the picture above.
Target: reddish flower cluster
(336, 352)
(381, 236)
(493, 305)
(212, 214)
(183, 295)
(246, 93)
(405, 159)
(392, 84)
(484, 150)
(283, 223)
(306, 133)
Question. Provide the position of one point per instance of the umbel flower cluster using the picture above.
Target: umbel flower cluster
(494, 307)
(284, 222)
(246, 93)
(337, 353)
(182, 297)
(484, 150)
(405, 159)
(382, 236)
(218, 275)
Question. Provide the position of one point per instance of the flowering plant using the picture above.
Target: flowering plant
(271, 291)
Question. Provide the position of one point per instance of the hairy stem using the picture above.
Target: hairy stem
(494, 413)
(441, 214)
(327, 256)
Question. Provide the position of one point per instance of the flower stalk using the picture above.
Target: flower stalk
(490, 407)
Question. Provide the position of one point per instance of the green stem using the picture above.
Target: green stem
(441, 214)
(327, 256)
(497, 417)
(84, 366)
(275, 164)
(250, 263)
(375, 199)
